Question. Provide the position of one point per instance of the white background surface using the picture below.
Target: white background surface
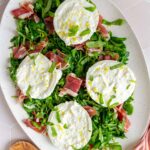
(137, 12)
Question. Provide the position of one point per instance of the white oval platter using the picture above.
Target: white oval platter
(140, 117)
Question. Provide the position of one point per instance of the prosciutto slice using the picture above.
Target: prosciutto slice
(91, 111)
(102, 28)
(25, 11)
(20, 96)
(19, 52)
(72, 86)
(29, 124)
(40, 46)
(123, 116)
(58, 59)
(80, 46)
(49, 24)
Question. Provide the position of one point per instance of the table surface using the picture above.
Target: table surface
(137, 12)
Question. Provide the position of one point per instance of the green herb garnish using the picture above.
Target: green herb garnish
(116, 66)
(128, 86)
(91, 8)
(73, 30)
(85, 32)
(101, 100)
(91, 78)
(65, 126)
(58, 116)
(52, 68)
(117, 22)
(132, 81)
(114, 89)
(28, 91)
(54, 133)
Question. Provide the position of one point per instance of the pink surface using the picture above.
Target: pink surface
(137, 13)
(144, 143)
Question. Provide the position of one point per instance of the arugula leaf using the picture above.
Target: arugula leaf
(57, 3)
(14, 64)
(128, 107)
(35, 124)
(117, 22)
(94, 44)
(114, 105)
(47, 8)
(110, 100)
(118, 39)
(73, 30)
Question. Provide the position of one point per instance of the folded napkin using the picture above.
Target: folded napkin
(144, 143)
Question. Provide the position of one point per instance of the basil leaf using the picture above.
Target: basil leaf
(85, 32)
(73, 30)
(117, 22)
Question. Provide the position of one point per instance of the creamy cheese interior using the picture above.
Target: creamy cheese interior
(71, 126)
(75, 21)
(110, 83)
(34, 78)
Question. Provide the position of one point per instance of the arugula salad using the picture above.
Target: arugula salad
(71, 74)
